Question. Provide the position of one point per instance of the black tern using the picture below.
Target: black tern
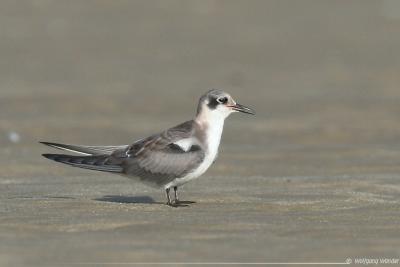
(165, 160)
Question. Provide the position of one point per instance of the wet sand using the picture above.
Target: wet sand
(314, 177)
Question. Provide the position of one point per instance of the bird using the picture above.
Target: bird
(167, 159)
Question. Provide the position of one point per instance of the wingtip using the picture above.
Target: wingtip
(51, 144)
(45, 143)
(54, 157)
(48, 156)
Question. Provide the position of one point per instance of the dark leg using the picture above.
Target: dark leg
(168, 198)
(176, 200)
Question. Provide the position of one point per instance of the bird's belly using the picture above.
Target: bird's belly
(154, 183)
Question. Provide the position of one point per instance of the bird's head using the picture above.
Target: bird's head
(217, 103)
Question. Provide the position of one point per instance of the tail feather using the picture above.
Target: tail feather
(85, 150)
(97, 163)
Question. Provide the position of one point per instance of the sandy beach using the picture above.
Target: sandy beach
(313, 177)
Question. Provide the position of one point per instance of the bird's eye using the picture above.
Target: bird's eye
(222, 100)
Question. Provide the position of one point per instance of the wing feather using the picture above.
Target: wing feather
(86, 150)
(97, 163)
(157, 159)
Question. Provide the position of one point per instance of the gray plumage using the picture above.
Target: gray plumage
(86, 150)
(155, 160)
(97, 163)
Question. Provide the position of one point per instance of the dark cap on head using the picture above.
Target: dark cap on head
(211, 99)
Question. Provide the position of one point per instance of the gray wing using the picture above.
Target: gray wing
(86, 150)
(96, 163)
(158, 160)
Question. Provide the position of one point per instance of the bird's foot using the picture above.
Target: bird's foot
(177, 204)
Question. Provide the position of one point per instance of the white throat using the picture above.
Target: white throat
(213, 124)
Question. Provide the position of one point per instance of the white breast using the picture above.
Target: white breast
(213, 138)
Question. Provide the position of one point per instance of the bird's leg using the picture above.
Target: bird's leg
(168, 198)
(176, 200)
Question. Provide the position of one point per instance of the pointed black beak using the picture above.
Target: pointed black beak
(244, 109)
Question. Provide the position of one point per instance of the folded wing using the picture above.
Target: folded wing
(159, 160)
(86, 150)
(156, 159)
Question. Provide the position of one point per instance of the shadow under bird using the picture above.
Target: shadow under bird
(165, 160)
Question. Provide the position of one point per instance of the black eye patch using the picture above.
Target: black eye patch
(222, 100)
(212, 103)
